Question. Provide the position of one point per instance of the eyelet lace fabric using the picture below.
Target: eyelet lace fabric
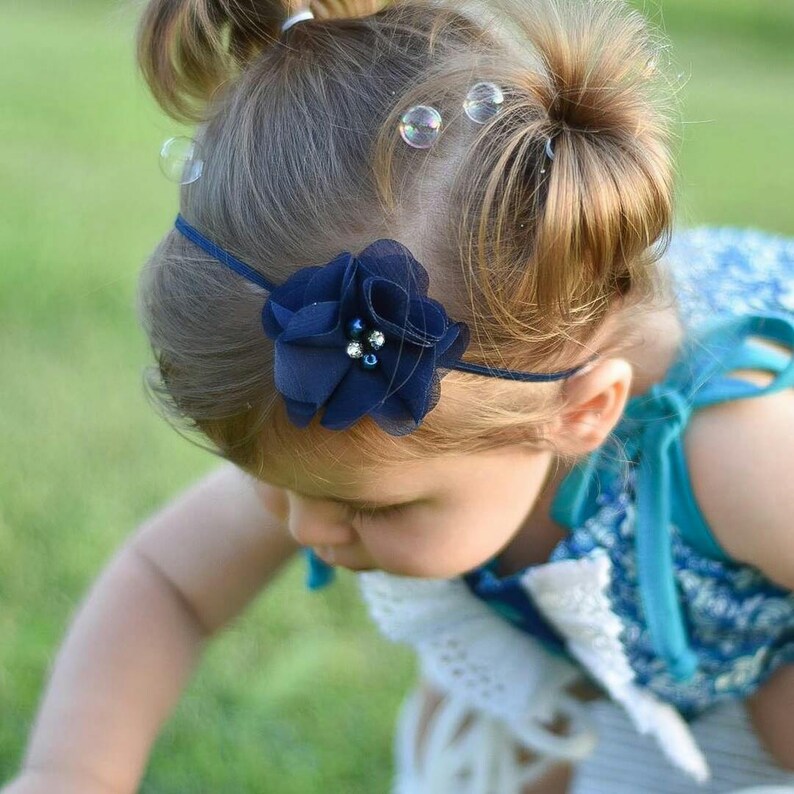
(573, 596)
(466, 650)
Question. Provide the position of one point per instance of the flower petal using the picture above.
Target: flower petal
(350, 302)
(393, 408)
(309, 374)
(393, 261)
(451, 348)
(427, 319)
(411, 375)
(394, 417)
(330, 280)
(275, 318)
(284, 300)
(316, 325)
(300, 414)
(421, 321)
(386, 304)
(358, 393)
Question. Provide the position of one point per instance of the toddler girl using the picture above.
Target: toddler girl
(379, 197)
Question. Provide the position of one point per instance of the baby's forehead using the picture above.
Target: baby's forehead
(347, 476)
(366, 493)
(321, 481)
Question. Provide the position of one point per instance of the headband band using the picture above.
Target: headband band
(359, 336)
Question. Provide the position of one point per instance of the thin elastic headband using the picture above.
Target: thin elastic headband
(373, 308)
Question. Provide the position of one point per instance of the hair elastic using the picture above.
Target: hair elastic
(303, 15)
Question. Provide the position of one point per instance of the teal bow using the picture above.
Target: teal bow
(652, 424)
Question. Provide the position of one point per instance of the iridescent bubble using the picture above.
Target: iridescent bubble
(651, 67)
(483, 102)
(181, 160)
(420, 126)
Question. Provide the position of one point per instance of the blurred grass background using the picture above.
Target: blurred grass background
(299, 695)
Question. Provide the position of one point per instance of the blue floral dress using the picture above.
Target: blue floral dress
(639, 592)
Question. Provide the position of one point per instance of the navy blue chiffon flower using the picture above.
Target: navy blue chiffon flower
(359, 336)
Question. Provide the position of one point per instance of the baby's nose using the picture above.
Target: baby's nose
(321, 535)
(312, 528)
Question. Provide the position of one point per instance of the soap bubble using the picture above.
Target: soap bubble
(181, 161)
(483, 102)
(420, 126)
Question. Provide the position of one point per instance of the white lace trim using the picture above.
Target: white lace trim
(466, 649)
(572, 595)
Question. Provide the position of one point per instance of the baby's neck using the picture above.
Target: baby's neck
(660, 336)
(659, 340)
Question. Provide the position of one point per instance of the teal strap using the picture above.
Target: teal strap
(754, 356)
(773, 326)
(318, 573)
(668, 412)
(658, 418)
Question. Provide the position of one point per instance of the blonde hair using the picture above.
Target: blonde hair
(299, 133)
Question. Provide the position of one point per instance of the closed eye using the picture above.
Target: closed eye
(375, 513)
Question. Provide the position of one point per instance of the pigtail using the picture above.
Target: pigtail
(610, 184)
(567, 235)
(187, 49)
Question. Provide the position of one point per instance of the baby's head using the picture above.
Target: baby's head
(539, 220)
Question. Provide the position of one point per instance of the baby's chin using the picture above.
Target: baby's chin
(415, 572)
(359, 568)
(408, 569)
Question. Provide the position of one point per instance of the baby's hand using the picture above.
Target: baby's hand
(36, 782)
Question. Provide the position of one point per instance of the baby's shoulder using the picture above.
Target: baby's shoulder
(739, 455)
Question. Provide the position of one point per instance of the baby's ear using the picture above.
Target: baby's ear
(593, 404)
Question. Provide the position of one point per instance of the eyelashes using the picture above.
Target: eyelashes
(372, 514)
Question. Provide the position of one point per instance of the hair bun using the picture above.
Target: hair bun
(597, 57)
(187, 49)
(588, 84)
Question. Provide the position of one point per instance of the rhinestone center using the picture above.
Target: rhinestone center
(362, 341)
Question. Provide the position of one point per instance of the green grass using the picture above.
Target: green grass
(299, 695)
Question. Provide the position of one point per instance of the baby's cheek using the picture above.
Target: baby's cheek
(426, 554)
(396, 551)
(275, 501)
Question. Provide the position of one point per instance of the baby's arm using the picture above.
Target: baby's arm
(136, 638)
(771, 710)
(740, 455)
